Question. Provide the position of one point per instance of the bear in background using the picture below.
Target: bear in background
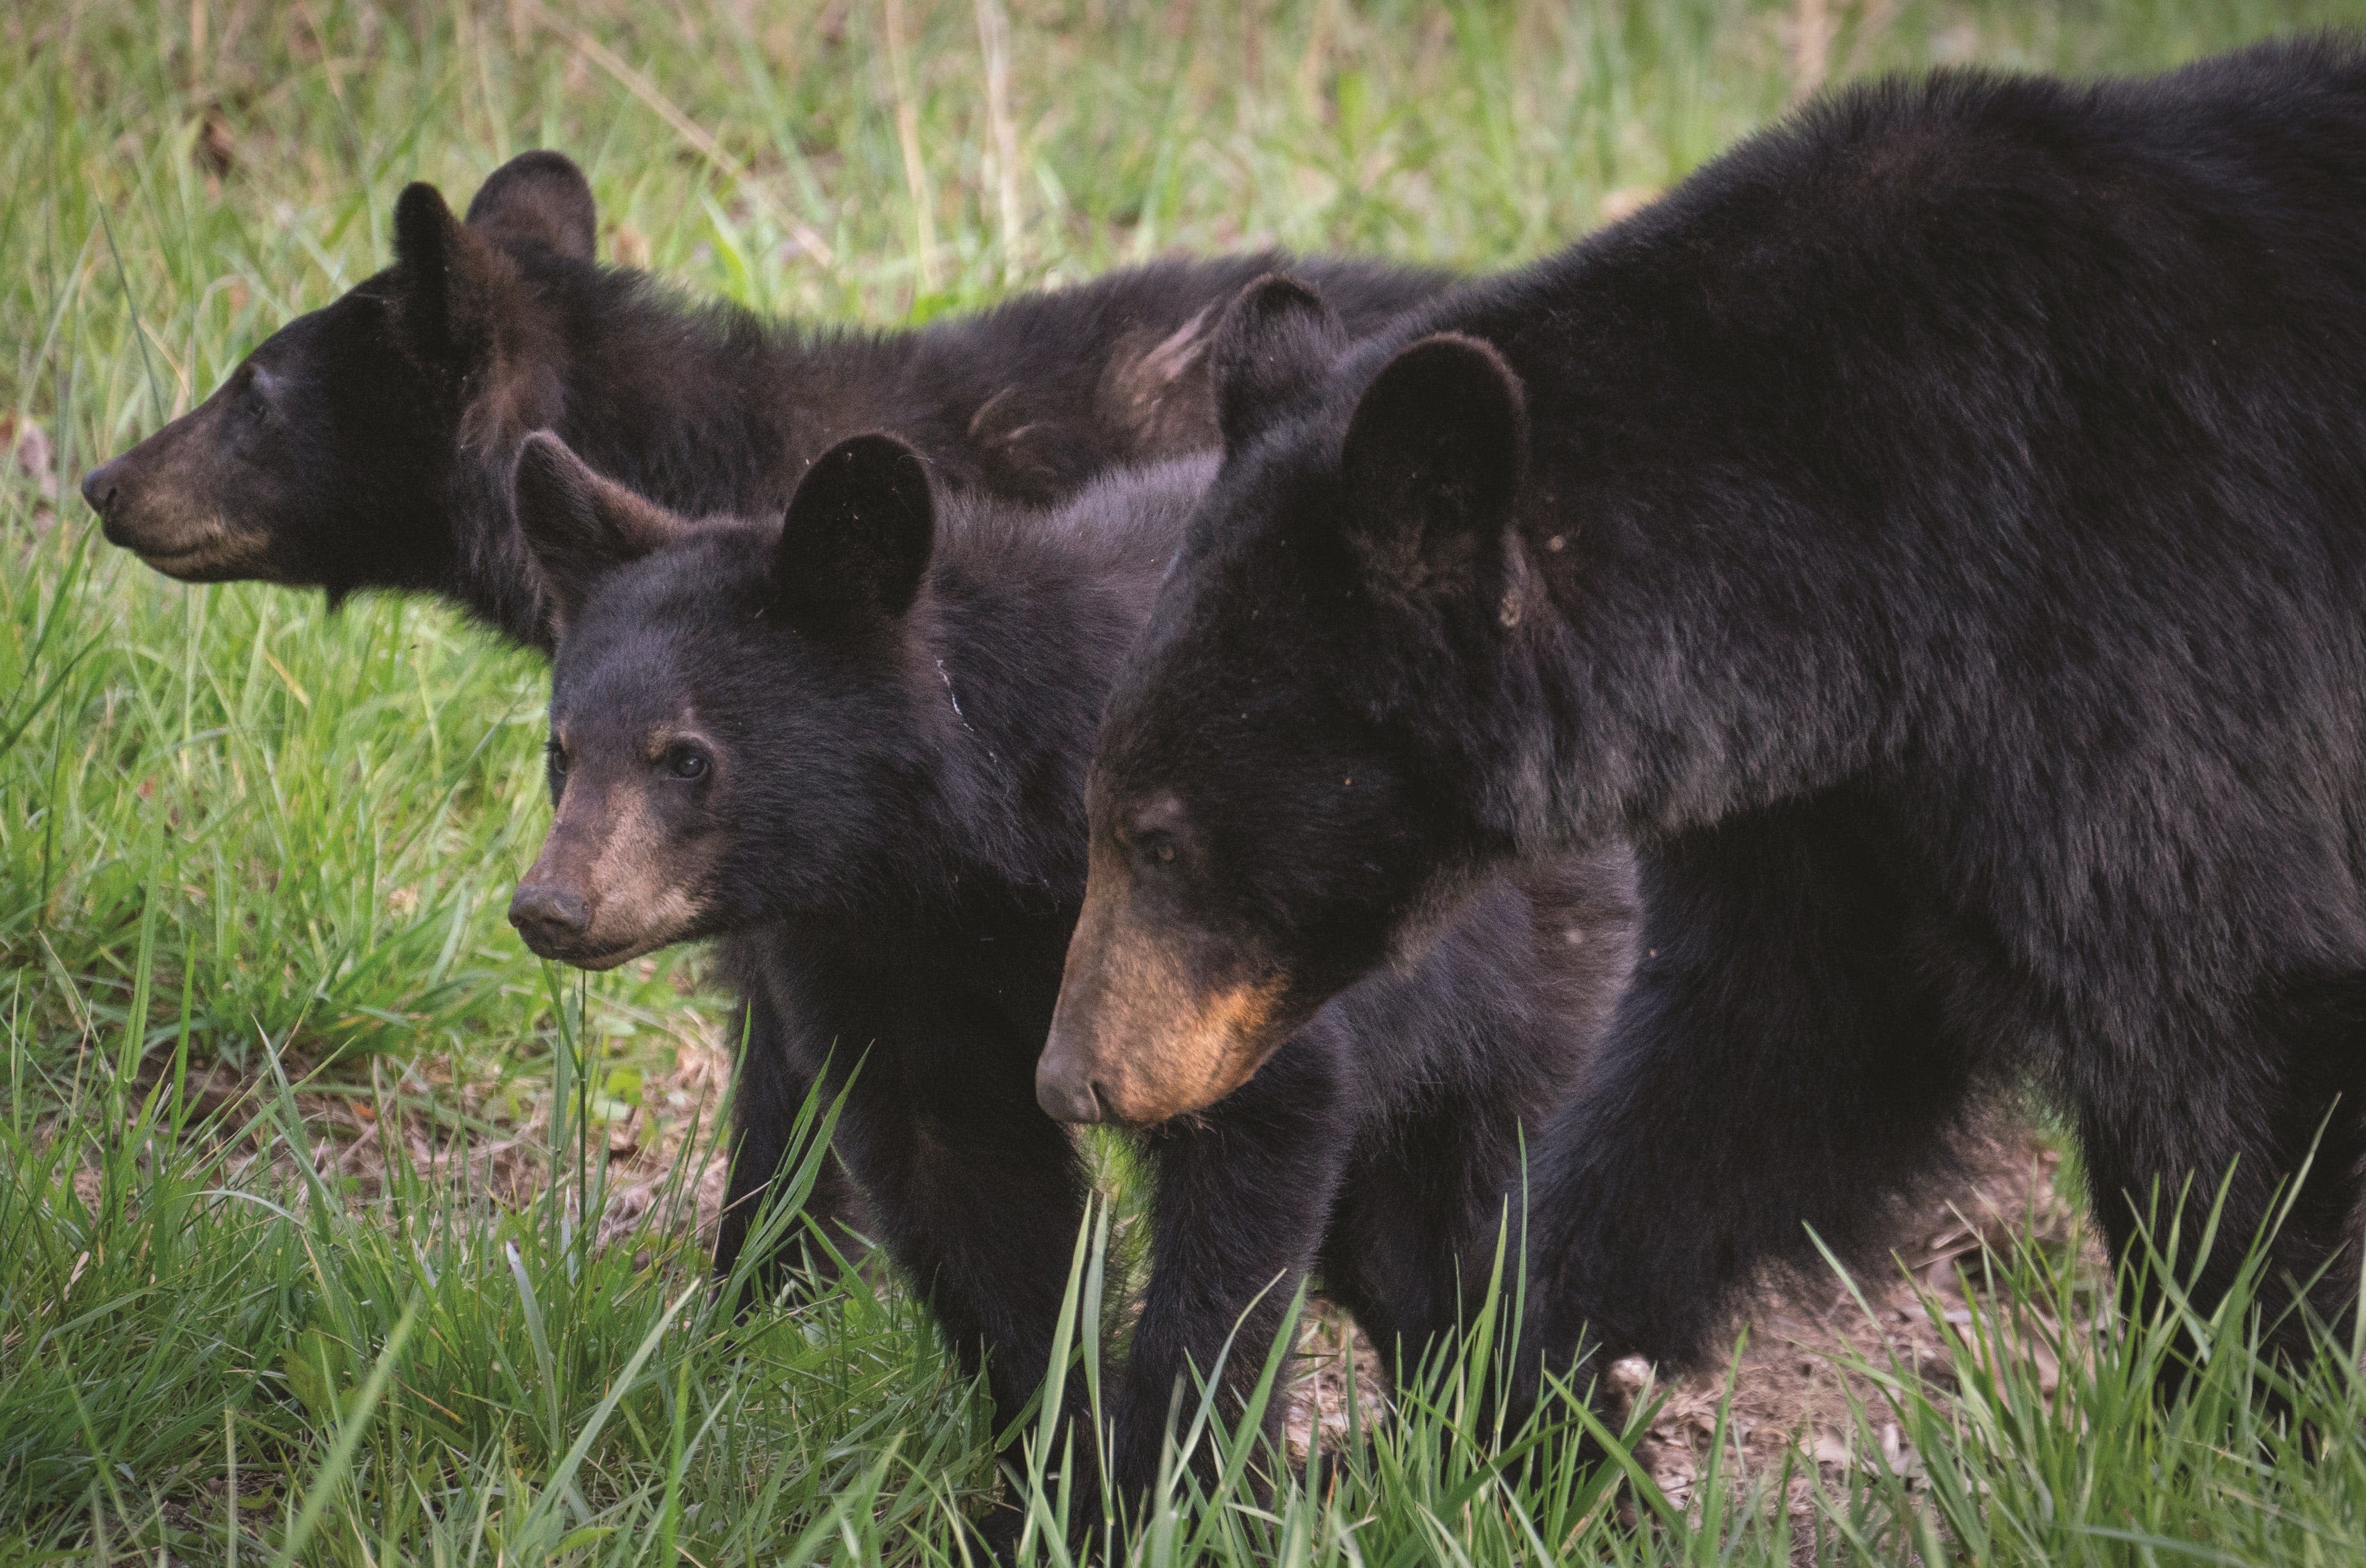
(368, 444)
(1935, 534)
(859, 736)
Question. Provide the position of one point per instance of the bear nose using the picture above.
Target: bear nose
(1067, 1094)
(98, 487)
(546, 916)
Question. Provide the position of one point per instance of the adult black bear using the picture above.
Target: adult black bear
(368, 444)
(864, 736)
(1936, 535)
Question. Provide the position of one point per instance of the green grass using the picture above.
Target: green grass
(236, 832)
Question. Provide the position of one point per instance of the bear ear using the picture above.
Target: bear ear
(538, 198)
(1434, 455)
(446, 305)
(858, 533)
(580, 525)
(1275, 340)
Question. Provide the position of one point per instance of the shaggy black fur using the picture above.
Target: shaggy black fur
(368, 444)
(1936, 534)
(894, 719)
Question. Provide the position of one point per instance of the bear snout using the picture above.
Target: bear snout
(1065, 1091)
(99, 488)
(551, 919)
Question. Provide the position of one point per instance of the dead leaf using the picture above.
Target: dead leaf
(30, 451)
(215, 152)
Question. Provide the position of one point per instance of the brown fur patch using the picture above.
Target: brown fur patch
(641, 883)
(1158, 389)
(1137, 1020)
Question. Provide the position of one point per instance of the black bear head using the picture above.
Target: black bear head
(325, 458)
(728, 730)
(1263, 830)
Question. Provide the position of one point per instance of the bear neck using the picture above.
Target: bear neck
(1649, 689)
(1008, 656)
(1013, 661)
(1655, 663)
(703, 409)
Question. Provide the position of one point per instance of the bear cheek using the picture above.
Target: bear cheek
(1233, 1031)
(651, 877)
(1201, 1046)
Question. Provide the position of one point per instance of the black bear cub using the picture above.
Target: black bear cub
(1936, 534)
(863, 733)
(367, 444)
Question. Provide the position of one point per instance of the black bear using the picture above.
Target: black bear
(1935, 534)
(368, 444)
(864, 733)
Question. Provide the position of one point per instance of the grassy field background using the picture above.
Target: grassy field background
(334, 1227)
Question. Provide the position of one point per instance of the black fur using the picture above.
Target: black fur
(898, 787)
(368, 444)
(1936, 535)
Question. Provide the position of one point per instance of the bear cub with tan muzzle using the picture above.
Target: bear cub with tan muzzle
(856, 738)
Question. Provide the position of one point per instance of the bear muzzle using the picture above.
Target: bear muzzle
(155, 523)
(1152, 1023)
(614, 879)
(551, 919)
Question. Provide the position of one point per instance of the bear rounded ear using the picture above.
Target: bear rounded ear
(1275, 340)
(858, 533)
(445, 307)
(540, 198)
(1434, 455)
(580, 525)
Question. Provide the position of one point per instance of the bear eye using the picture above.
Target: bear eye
(1156, 845)
(555, 755)
(687, 761)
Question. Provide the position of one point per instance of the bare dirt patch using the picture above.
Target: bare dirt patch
(1791, 1389)
(647, 1124)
